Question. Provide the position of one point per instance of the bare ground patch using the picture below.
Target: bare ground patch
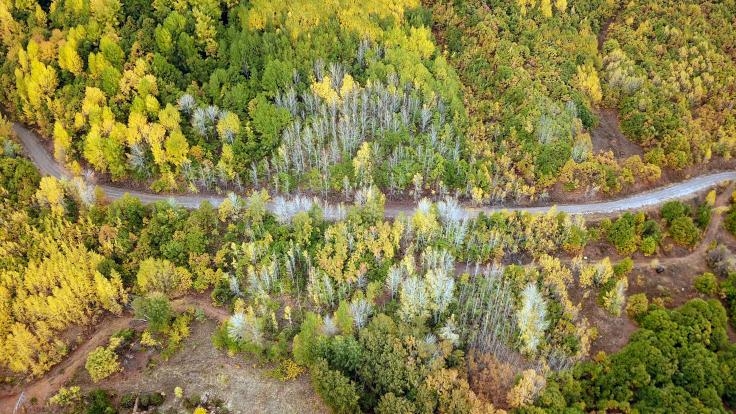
(607, 136)
(200, 369)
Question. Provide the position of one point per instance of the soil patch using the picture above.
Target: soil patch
(200, 369)
(607, 136)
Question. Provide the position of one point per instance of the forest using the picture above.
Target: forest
(487, 101)
(312, 118)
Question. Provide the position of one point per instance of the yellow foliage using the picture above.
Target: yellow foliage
(358, 17)
(61, 286)
(102, 362)
(526, 389)
(588, 82)
(160, 275)
(51, 193)
(324, 90)
(62, 142)
(148, 340)
(710, 199)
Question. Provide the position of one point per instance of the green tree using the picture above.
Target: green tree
(155, 309)
(684, 231)
(337, 391)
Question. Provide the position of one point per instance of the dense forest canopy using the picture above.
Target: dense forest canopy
(487, 100)
(369, 102)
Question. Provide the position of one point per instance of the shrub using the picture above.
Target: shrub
(66, 396)
(613, 298)
(154, 308)
(288, 370)
(672, 210)
(622, 234)
(101, 363)
(703, 215)
(128, 400)
(637, 305)
(156, 275)
(648, 246)
(707, 284)
(730, 221)
(98, 402)
(684, 231)
(721, 260)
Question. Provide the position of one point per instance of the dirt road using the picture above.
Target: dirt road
(48, 166)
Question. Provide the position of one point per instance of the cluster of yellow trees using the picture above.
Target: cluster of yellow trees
(48, 282)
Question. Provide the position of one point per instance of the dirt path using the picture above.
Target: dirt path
(43, 388)
(48, 166)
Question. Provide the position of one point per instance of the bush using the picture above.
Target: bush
(672, 210)
(66, 396)
(637, 305)
(648, 246)
(154, 308)
(128, 400)
(101, 363)
(707, 284)
(622, 234)
(162, 276)
(684, 231)
(730, 221)
(703, 215)
(721, 260)
(98, 402)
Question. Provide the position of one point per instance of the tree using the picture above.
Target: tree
(684, 231)
(707, 284)
(622, 234)
(177, 148)
(531, 319)
(154, 308)
(268, 121)
(160, 275)
(51, 193)
(337, 391)
(672, 210)
(391, 404)
(526, 389)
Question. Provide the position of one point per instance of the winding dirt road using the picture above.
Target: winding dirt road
(46, 164)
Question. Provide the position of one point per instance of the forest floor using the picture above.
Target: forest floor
(198, 368)
(607, 136)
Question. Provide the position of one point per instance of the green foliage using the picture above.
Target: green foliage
(729, 222)
(684, 231)
(728, 289)
(672, 210)
(707, 284)
(637, 305)
(676, 362)
(155, 309)
(305, 343)
(18, 177)
(98, 402)
(648, 246)
(622, 234)
(702, 215)
(337, 391)
(102, 362)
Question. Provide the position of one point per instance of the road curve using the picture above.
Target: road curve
(46, 164)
